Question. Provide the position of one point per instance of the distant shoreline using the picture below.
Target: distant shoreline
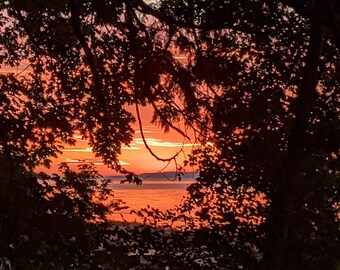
(163, 175)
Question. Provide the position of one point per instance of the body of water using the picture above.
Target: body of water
(158, 193)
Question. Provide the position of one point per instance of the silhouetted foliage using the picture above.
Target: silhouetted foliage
(257, 80)
(49, 221)
(275, 79)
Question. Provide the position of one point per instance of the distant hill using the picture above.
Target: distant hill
(168, 175)
(162, 175)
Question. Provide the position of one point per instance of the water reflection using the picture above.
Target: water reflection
(158, 193)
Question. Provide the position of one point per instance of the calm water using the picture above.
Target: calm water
(158, 193)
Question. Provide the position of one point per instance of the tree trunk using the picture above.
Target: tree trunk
(6, 175)
(288, 197)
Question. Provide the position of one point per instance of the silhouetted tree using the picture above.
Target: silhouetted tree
(273, 71)
(258, 80)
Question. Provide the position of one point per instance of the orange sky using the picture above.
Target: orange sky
(135, 157)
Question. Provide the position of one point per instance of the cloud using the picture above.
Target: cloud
(84, 150)
(79, 137)
(94, 161)
(130, 147)
(71, 160)
(84, 160)
(89, 149)
(123, 163)
(144, 131)
(160, 143)
(136, 145)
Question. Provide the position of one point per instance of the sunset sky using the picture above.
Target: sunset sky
(135, 157)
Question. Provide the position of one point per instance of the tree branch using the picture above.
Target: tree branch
(145, 142)
(88, 53)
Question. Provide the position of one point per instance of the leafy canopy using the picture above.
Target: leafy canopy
(257, 80)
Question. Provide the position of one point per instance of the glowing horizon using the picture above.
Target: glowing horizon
(135, 157)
